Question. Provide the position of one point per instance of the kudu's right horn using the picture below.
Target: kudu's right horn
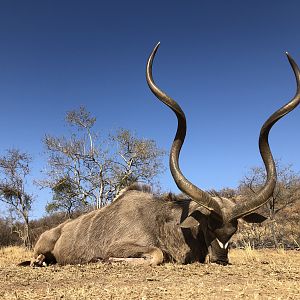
(201, 197)
(244, 208)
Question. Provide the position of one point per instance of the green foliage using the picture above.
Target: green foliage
(65, 198)
(14, 168)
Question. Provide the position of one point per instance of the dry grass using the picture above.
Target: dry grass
(253, 275)
(11, 255)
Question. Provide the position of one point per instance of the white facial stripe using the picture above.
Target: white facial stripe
(222, 245)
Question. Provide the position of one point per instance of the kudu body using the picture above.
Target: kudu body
(140, 227)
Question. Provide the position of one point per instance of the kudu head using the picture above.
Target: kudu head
(222, 214)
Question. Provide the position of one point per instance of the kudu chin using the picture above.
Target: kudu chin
(141, 228)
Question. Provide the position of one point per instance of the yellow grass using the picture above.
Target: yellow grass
(253, 274)
(12, 255)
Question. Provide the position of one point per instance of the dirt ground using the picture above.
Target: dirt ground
(252, 275)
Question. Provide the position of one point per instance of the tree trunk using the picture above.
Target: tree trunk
(273, 223)
(26, 235)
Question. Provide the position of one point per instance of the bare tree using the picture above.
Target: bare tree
(134, 160)
(76, 168)
(286, 194)
(86, 170)
(14, 169)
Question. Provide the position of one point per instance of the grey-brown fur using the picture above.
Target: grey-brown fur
(135, 224)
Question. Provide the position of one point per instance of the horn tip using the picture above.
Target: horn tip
(288, 56)
(154, 50)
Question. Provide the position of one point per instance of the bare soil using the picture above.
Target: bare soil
(252, 275)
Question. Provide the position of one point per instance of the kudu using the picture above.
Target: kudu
(139, 227)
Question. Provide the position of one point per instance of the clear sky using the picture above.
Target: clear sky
(223, 61)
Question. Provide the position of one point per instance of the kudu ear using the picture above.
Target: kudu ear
(254, 218)
(192, 220)
(189, 222)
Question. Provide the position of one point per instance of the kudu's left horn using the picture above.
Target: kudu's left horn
(198, 195)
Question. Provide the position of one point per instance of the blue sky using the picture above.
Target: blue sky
(223, 61)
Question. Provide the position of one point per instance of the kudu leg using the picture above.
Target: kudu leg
(39, 261)
(140, 256)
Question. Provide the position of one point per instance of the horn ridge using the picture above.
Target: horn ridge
(198, 195)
